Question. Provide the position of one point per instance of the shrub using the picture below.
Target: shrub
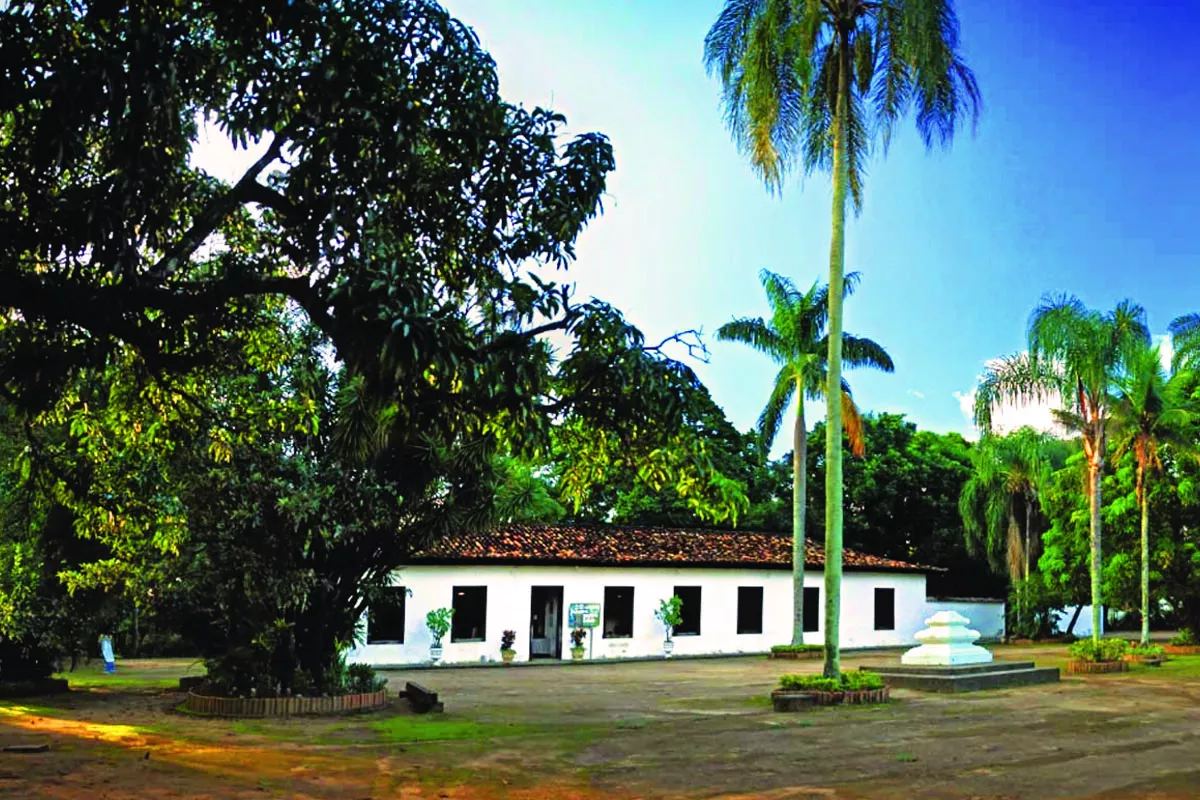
(1185, 639)
(1146, 651)
(577, 637)
(506, 641)
(860, 681)
(361, 679)
(1104, 650)
(438, 622)
(796, 648)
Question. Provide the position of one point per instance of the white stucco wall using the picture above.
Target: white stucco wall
(986, 616)
(508, 607)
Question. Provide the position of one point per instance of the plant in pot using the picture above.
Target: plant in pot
(438, 622)
(506, 646)
(577, 637)
(670, 614)
(1106, 655)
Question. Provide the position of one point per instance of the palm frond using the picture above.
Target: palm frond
(757, 334)
(1018, 378)
(771, 418)
(1185, 339)
(862, 352)
(852, 424)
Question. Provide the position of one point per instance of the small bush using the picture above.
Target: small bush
(577, 637)
(1185, 639)
(1104, 650)
(361, 679)
(1146, 651)
(849, 682)
(438, 622)
(796, 648)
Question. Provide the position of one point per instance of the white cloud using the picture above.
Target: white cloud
(1011, 415)
(916, 394)
(1166, 350)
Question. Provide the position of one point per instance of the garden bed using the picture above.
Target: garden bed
(283, 706)
(33, 688)
(1181, 649)
(1146, 660)
(797, 700)
(1080, 667)
(802, 655)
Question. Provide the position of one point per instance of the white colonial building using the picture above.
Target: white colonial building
(736, 589)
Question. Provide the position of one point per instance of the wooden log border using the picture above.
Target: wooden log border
(282, 706)
(806, 655)
(780, 698)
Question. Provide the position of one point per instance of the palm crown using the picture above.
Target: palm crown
(781, 63)
(795, 339)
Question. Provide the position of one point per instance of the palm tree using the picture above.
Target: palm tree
(816, 81)
(1149, 416)
(1008, 475)
(795, 339)
(1075, 356)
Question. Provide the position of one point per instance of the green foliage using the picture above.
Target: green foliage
(1147, 650)
(669, 613)
(438, 622)
(506, 641)
(1185, 638)
(858, 681)
(1099, 650)
(796, 648)
(361, 679)
(577, 637)
(1033, 609)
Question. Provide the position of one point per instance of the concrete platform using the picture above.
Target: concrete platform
(967, 678)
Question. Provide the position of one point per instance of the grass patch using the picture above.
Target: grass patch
(906, 758)
(439, 728)
(797, 648)
(133, 675)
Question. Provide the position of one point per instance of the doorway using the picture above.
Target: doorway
(545, 622)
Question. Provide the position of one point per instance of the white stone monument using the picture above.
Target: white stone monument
(947, 642)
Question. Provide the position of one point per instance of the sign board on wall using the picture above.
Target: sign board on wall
(583, 615)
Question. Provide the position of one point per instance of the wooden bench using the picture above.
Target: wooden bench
(421, 699)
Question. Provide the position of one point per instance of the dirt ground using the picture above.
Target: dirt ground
(684, 728)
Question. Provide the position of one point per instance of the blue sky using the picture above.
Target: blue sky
(1082, 178)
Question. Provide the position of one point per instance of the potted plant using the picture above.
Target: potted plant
(669, 614)
(438, 622)
(577, 649)
(506, 646)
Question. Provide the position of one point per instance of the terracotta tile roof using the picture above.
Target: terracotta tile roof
(611, 545)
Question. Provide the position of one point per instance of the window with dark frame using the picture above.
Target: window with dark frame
(618, 612)
(812, 609)
(750, 609)
(885, 609)
(689, 613)
(469, 623)
(385, 617)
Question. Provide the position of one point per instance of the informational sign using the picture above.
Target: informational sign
(583, 615)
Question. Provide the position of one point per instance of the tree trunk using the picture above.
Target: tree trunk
(1094, 466)
(833, 388)
(1028, 534)
(137, 638)
(1075, 618)
(799, 499)
(1145, 556)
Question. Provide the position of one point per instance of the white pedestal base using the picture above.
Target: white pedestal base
(947, 642)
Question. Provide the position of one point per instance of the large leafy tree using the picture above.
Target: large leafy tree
(156, 319)
(795, 338)
(1151, 415)
(1076, 357)
(818, 82)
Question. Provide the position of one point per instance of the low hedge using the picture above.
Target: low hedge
(1096, 652)
(781, 649)
(849, 682)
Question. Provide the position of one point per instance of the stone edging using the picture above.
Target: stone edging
(1076, 667)
(797, 699)
(807, 655)
(282, 706)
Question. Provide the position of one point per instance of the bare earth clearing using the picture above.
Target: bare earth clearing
(699, 728)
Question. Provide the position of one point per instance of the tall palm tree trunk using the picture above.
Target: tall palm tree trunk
(833, 390)
(1145, 555)
(799, 499)
(1094, 465)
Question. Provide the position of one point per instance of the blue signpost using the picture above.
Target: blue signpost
(584, 615)
(106, 650)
